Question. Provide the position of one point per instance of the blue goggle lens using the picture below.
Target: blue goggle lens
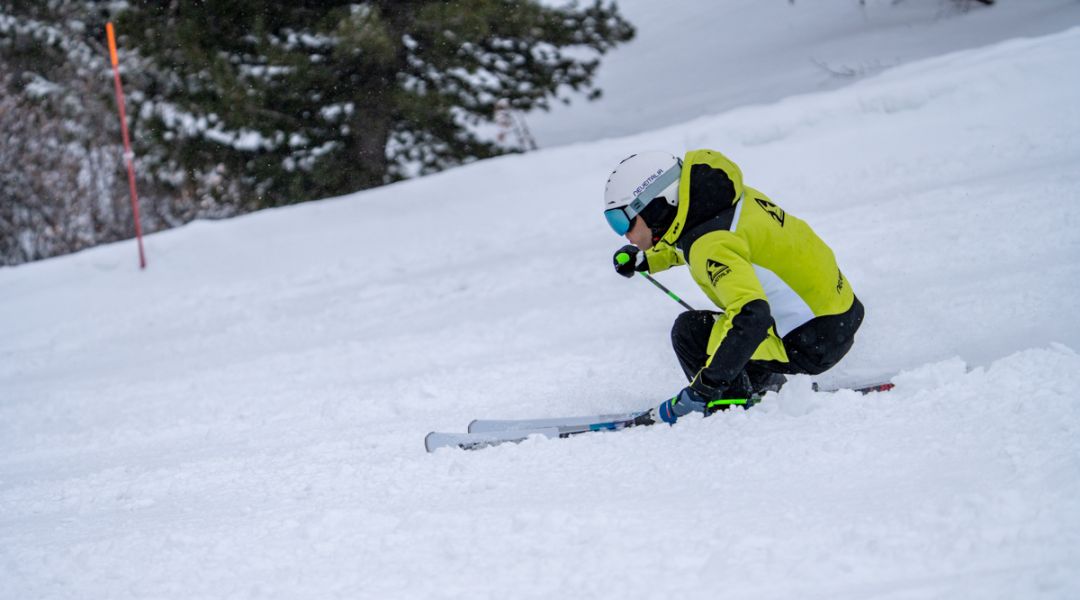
(616, 217)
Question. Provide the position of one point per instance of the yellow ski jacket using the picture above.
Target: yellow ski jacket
(765, 268)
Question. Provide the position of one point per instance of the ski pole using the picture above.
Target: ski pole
(624, 258)
(665, 290)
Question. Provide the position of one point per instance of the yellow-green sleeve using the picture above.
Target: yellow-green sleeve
(662, 257)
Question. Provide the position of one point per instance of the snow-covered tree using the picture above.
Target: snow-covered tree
(239, 104)
(64, 186)
(304, 99)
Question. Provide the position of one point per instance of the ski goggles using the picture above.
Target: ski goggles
(622, 217)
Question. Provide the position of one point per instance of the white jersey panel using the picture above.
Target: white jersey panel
(788, 309)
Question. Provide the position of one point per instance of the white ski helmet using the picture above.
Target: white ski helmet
(638, 180)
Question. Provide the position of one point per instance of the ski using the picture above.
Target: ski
(863, 389)
(488, 425)
(484, 433)
(475, 440)
(493, 425)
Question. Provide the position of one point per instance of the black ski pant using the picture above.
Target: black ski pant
(812, 348)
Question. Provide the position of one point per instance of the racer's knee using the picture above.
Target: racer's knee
(690, 339)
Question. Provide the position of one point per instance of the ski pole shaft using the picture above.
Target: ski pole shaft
(666, 291)
(624, 258)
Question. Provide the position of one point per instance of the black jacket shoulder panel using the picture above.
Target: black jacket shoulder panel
(711, 186)
(719, 222)
(711, 207)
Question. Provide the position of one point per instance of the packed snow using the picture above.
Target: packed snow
(245, 418)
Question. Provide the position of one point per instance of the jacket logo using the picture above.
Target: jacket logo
(716, 270)
(774, 211)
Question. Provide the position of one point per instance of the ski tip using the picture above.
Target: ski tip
(470, 427)
(427, 441)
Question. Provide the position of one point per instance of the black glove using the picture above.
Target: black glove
(628, 260)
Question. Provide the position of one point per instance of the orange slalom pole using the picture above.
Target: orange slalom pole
(129, 156)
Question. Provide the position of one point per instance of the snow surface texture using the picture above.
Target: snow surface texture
(692, 59)
(245, 418)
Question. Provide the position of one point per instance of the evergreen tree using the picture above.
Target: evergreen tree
(283, 102)
(64, 184)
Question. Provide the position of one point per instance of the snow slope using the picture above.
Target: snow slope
(691, 59)
(245, 418)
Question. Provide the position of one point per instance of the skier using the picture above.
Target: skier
(786, 306)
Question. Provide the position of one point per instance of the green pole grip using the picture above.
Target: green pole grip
(622, 258)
